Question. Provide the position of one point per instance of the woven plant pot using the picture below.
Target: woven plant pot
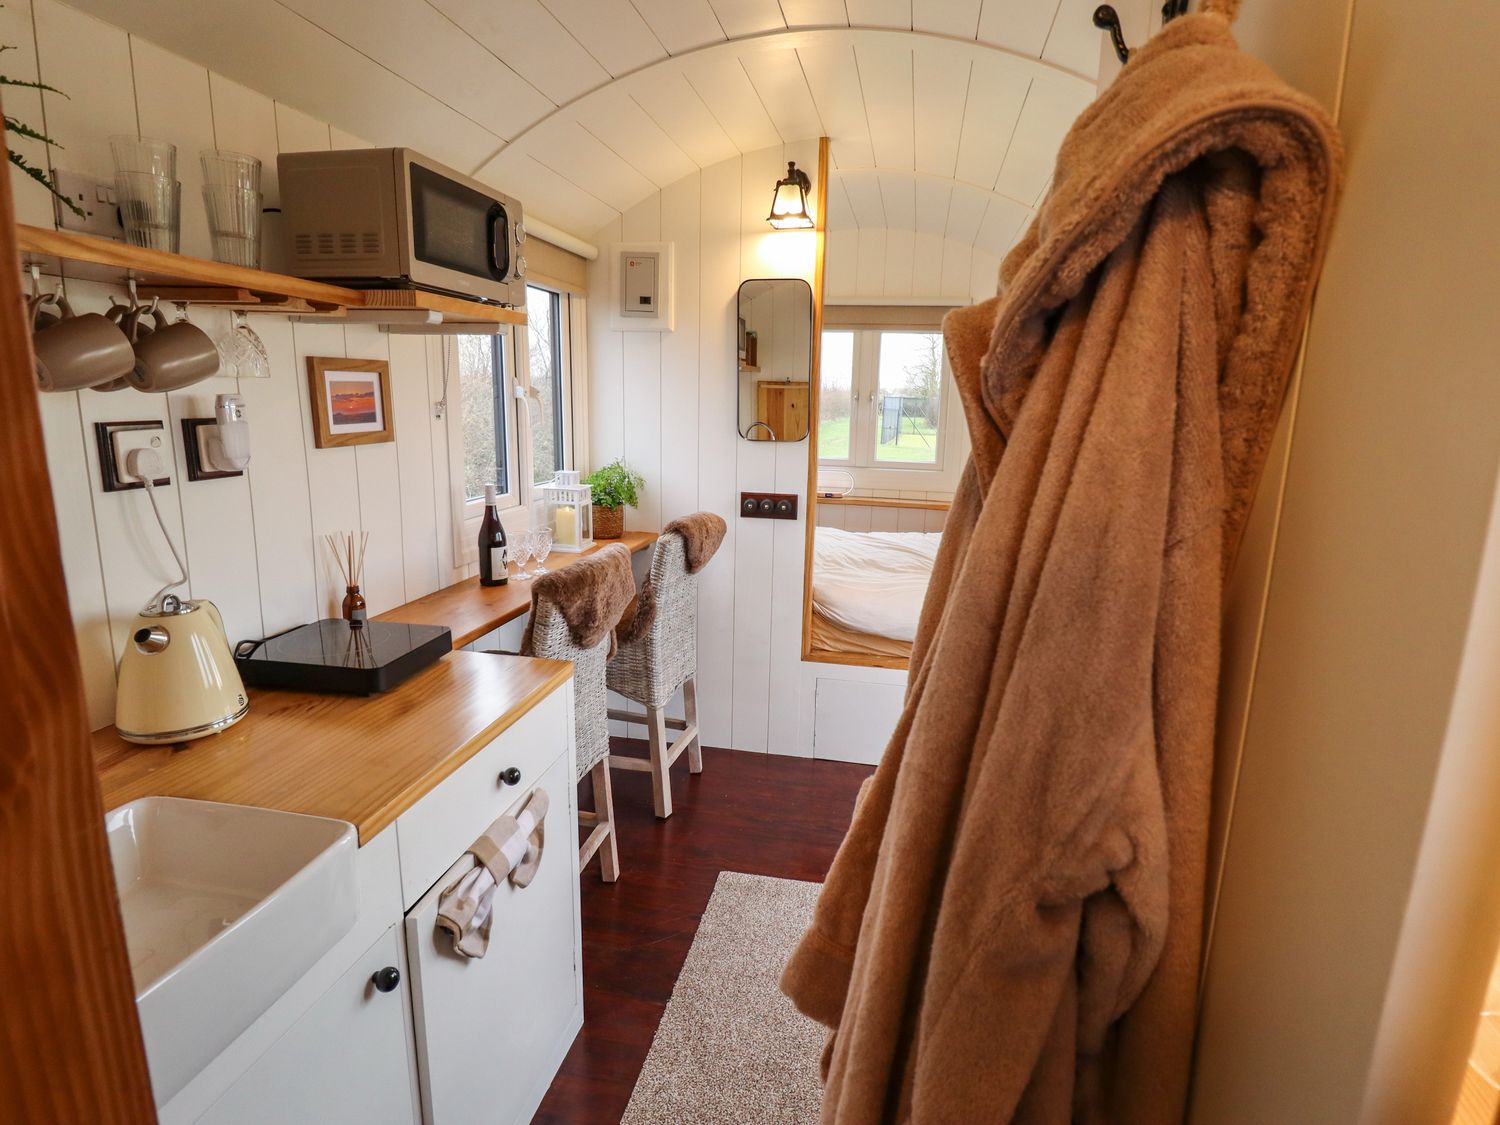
(609, 523)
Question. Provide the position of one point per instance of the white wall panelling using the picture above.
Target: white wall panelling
(252, 543)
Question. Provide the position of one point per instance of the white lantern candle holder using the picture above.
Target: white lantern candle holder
(568, 508)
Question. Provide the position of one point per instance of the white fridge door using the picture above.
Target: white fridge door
(488, 1028)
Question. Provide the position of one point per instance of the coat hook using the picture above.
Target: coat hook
(1107, 19)
(36, 280)
(1172, 9)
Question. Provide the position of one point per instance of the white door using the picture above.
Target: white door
(490, 1030)
(347, 1061)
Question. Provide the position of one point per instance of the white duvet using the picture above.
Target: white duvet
(873, 581)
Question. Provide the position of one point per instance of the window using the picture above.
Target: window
(497, 437)
(544, 310)
(880, 398)
(483, 401)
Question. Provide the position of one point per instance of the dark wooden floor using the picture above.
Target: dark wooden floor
(760, 813)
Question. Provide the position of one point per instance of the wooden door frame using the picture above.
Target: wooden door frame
(72, 1040)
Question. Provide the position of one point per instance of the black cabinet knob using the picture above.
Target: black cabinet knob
(386, 979)
(510, 776)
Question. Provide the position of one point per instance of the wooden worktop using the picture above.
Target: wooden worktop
(470, 610)
(364, 760)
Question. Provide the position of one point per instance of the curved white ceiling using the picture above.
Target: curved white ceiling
(584, 107)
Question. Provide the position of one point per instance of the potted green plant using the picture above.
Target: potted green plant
(614, 486)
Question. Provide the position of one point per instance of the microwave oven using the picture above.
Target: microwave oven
(391, 218)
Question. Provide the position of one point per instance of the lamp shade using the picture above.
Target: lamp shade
(789, 203)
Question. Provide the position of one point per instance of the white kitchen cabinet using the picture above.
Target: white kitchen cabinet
(492, 1031)
(347, 1061)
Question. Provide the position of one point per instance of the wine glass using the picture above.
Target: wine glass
(519, 553)
(541, 547)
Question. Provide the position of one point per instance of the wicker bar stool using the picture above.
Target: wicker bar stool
(658, 652)
(603, 582)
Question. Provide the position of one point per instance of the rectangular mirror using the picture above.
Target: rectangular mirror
(775, 358)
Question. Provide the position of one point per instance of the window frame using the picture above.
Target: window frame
(862, 462)
(562, 414)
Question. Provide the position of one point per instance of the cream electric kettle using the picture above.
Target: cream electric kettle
(177, 678)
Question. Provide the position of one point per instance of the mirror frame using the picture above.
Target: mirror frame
(812, 356)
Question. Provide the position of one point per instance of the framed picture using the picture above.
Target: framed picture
(351, 401)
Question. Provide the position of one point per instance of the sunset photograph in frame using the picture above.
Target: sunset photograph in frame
(351, 401)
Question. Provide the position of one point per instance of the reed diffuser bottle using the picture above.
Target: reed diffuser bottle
(351, 563)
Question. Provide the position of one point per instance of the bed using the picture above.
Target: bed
(868, 588)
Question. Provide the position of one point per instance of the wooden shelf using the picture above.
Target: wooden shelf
(198, 281)
(887, 502)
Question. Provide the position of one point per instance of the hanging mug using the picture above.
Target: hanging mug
(80, 350)
(169, 357)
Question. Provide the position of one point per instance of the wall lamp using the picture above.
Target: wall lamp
(789, 204)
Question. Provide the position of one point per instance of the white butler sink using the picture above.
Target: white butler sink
(225, 907)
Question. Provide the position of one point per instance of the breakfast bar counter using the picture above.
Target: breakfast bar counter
(364, 760)
(470, 610)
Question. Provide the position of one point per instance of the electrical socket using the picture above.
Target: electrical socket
(115, 441)
(95, 198)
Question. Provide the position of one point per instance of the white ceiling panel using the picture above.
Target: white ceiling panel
(940, 87)
(622, 125)
(727, 91)
(546, 194)
(573, 152)
(1017, 25)
(599, 116)
(863, 189)
(898, 193)
(881, 13)
(610, 30)
(1002, 222)
(426, 48)
(272, 49)
(966, 211)
(932, 197)
(996, 97)
(777, 76)
(815, 13)
(530, 40)
(959, 18)
(1074, 41)
(840, 210)
(885, 78)
(1051, 107)
(748, 17)
(833, 76)
(674, 105)
(681, 25)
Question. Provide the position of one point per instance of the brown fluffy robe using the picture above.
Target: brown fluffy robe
(590, 593)
(701, 532)
(1012, 929)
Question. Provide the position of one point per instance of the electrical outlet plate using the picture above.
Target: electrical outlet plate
(115, 441)
(768, 505)
(96, 198)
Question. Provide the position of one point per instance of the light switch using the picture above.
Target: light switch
(639, 284)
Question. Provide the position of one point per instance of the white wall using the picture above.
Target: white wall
(879, 264)
(1337, 972)
(252, 543)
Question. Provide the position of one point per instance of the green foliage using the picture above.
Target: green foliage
(615, 485)
(20, 128)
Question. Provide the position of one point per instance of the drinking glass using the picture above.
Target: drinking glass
(230, 169)
(145, 155)
(150, 206)
(541, 547)
(520, 552)
(233, 224)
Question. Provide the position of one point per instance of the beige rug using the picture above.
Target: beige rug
(730, 1048)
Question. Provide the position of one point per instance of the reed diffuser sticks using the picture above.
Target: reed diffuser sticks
(351, 563)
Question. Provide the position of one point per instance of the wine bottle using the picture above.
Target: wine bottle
(491, 544)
